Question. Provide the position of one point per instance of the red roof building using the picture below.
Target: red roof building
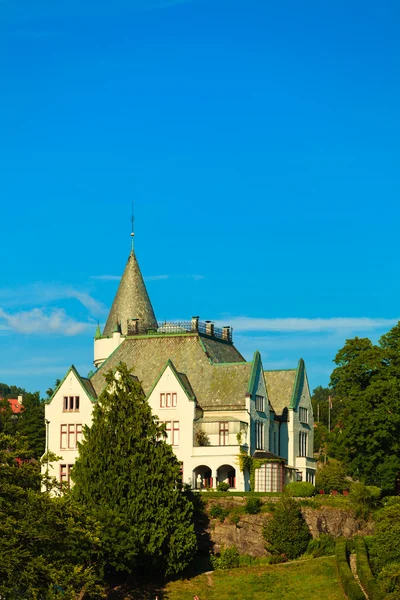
(16, 405)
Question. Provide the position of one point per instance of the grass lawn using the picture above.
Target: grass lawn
(313, 579)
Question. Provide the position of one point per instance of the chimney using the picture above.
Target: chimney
(133, 326)
(209, 328)
(19, 399)
(195, 323)
(226, 333)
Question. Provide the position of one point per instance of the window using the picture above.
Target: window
(168, 400)
(65, 474)
(303, 415)
(260, 403)
(78, 434)
(71, 403)
(302, 443)
(259, 435)
(70, 435)
(172, 429)
(63, 437)
(169, 433)
(175, 434)
(223, 433)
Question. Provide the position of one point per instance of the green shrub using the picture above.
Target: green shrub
(245, 560)
(330, 477)
(300, 489)
(350, 586)
(384, 546)
(268, 507)
(223, 486)
(391, 500)
(287, 532)
(218, 512)
(276, 559)
(229, 558)
(253, 506)
(234, 519)
(364, 498)
(324, 545)
(389, 580)
(364, 571)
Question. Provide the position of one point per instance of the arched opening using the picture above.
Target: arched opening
(227, 473)
(202, 478)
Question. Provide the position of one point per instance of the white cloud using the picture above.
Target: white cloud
(338, 324)
(44, 293)
(37, 321)
(106, 277)
(156, 277)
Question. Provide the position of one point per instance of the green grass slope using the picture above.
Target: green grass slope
(302, 580)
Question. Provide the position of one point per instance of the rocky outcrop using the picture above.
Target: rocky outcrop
(335, 521)
(247, 536)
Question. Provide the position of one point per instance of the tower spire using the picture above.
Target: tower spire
(132, 232)
(132, 301)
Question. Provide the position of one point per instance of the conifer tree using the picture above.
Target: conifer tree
(129, 478)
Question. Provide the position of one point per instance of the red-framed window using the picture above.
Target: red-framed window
(78, 432)
(223, 434)
(71, 403)
(70, 435)
(168, 400)
(63, 437)
(172, 429)
(65, 474)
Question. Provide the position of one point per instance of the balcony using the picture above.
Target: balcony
(305, 462)
(209, 451)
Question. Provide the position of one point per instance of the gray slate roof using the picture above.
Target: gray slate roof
(214, 369)
(280, 386)
(131, 301)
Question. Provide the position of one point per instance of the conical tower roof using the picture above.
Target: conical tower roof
(131, 301)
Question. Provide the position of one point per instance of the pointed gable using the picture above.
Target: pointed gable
(86, 384)
(131, 301)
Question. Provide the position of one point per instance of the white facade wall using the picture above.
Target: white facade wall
(215, 460)
(55, 413)
(183, 413)
(105, 346)
(305, 464)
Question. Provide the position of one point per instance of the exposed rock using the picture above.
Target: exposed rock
(247, 536)
(335, 521)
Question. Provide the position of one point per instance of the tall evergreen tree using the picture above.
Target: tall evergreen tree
(129, 478)
(30, 424)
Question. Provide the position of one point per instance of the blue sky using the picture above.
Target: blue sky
(260, 143)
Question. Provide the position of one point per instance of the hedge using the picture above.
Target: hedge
(350, 586)
(364, 571)
(300, 489)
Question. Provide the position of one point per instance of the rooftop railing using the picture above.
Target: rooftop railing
(206, 328)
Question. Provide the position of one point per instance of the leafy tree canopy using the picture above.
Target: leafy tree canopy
(48, 546)
(129, 478)
(367, 380)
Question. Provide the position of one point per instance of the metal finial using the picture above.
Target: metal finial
(132, 232)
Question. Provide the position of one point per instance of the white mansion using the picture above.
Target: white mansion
(214, 403)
